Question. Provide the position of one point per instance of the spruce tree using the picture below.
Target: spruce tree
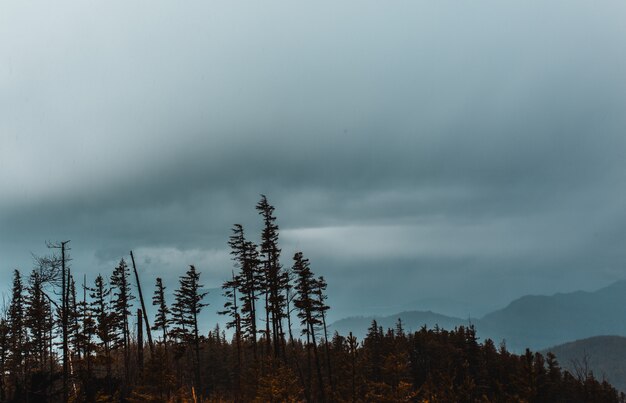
(162, 319)
(5, 347)
(188, 305)
(36, 320)
(320, 292)
(122, 298)
(105, 319)
(310, 309)
(87, 329)
(249, 282)
(231, 309)
(275, 277)
(73, 315)
(17, 330)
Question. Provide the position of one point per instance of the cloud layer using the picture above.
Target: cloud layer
(470, 151)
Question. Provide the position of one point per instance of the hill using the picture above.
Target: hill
(533, 321)
(605, 356)
(411, 321)
(538, 322)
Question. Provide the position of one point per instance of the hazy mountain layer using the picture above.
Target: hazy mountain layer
(605, 356)
(535, 322)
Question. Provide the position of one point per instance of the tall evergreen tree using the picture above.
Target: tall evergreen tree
(188, 305)
(36, 320)
(231, 309)
(162, 319)
(87, 329)
(5, 347)
(105, 319)
(122, 298)
(249, 282)
(320, 293)
(73, 316)
(275, 278)
(17, 331)
(309, 308)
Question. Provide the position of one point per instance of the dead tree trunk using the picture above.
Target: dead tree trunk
(139, 341)
(143, 305)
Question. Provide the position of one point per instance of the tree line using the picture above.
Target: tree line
(60, 341)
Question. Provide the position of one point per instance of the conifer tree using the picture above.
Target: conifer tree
(275, 277)
(36, 320)
(188, 305)
(122, 298)
(17, 330)
(250, 282)
(309, 308)
(231, 309)
(87, 328)
(73, 315)
(162, 319)
(105, 319)
(320, 288)
(4, 355)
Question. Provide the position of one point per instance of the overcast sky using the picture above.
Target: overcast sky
(428, 154)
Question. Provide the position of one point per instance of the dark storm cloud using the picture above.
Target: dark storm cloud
(435, 149)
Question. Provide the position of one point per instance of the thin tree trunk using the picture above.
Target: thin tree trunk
(318, 367)
(139, 340)
(143, 305)
(197, 351)
(352, 342)
(64, 321)
(267, 325)
(327, 350)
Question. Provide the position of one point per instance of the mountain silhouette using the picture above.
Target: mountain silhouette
(533, 321)
(605, 356)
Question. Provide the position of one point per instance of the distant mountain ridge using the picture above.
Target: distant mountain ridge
(605, 356)
(411, 321)
(533, 321)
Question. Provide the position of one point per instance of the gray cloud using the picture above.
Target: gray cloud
(473, 151)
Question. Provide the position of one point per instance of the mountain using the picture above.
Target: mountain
(605, 356)
(533, 321)
(411, 321)
(538, 322)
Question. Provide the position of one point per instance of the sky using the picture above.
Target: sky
(435, 155)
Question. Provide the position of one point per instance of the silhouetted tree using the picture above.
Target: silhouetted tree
(87, 330)
(162, 319)
(5, 348)
(231, 309)
(309, 308)
(189, 304)
(275, 278)
(105, 320)
(17, 333)
(249, 282)
(36, 320)
(122, 298)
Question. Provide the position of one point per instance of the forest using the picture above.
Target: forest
(68, 341)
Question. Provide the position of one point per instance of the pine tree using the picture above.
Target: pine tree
(73, 316)
(320, 288)
(122, 298)
(87, 329)
(17, 331)
(188, 305)
(36, 320)
(250, 282)
(231, 309)
(275, 277)
(5, 347)
(162, 319)
(309, 308)
(105, 319)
